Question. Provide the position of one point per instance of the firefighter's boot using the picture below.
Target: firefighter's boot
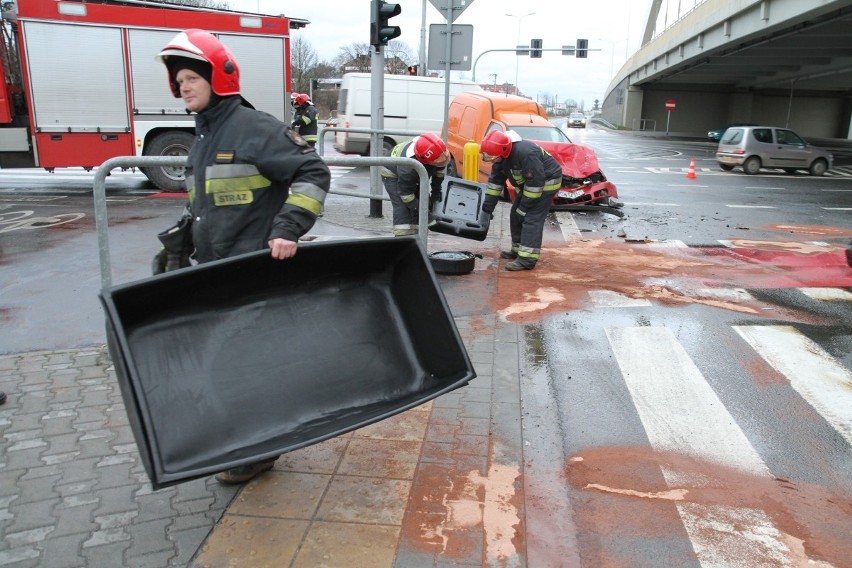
(520, 264)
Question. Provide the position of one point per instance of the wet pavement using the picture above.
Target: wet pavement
(439, 485)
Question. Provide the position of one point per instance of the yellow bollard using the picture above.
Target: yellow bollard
(471, 161)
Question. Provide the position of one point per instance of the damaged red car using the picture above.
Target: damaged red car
(473, 114)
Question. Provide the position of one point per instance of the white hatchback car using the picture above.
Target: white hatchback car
(756, 147)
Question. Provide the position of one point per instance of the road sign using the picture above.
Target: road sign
(670, 104)
(442, 6)
(462, 47)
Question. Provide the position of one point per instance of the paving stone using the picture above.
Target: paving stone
(61, 444)
(152, 560)
(115, 500)
(62, 552)
(19, 557)
(188, 542)
(155, 505)
(114, 471)
(38, 488)
(107, 555)
(149, 537)
(31, 515)
(74, 518)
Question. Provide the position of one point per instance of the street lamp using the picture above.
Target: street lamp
(611, 54)
(517, 43)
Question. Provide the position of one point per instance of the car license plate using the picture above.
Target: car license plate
(563, 194)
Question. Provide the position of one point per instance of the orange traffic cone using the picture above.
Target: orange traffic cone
(690, 173)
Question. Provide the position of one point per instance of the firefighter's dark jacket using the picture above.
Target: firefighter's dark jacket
(305, 121)
(527, 166)
(250, 179)
(407, 178)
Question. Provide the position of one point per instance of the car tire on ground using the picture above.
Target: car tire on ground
(819, 167)
(452, 261)
(751, 166)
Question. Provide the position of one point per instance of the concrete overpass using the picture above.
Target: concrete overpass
(780, 62)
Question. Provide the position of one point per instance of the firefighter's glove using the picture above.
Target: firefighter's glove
(177, 247)
(434, 197)
(488, 206)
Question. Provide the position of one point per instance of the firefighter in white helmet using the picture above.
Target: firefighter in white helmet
(403, 184)
(252, 183)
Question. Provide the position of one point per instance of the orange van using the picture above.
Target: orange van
(474, 114)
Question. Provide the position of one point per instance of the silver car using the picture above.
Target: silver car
(756, 147)
(577, 120)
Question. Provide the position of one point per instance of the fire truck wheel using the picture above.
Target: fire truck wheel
(170, 143)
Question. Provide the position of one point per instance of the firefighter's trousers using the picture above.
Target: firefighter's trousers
(527, 226)
(405, 210)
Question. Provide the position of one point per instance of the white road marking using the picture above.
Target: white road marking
(610, 299)
(682, 414)
(821, 380)
(567, 225)
(750, 206)
(828, 294)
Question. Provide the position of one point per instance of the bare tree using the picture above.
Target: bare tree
(358, 57)
(303, 58)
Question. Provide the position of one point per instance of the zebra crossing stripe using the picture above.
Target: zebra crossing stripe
(682, 414)
(820, 379)
(827, 294)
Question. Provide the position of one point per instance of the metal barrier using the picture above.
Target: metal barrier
(323, 129)
(99, 194)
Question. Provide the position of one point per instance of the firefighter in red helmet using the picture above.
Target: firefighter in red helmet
(304, 117)
(403, 184)
(536, 176)
(252, 184)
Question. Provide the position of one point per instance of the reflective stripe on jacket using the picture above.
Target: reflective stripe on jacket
(250, 180)
(407, 177)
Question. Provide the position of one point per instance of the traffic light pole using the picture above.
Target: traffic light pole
(520, 49)
(377, 123)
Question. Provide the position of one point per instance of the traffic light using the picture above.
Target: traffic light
(412, 69)
(380, 32)
(582, 48)
(535, 48)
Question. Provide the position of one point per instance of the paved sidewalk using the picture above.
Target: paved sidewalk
(439, 485)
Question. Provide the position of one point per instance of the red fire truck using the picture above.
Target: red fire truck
(82, 84)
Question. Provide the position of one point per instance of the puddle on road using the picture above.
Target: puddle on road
(672, 276)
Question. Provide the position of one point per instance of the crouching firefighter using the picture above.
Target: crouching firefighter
(402, 183)
(252, 183)
(536, 176)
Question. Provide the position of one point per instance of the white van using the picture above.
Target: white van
(411, 103)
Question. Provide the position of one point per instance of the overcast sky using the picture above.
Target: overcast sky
(614, 27)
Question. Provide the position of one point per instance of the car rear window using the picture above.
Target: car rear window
(732, 136)
(762, 135)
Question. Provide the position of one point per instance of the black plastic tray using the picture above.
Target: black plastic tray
(459, 212)
(233, 361)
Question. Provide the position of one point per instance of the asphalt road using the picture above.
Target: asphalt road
(687, 365)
